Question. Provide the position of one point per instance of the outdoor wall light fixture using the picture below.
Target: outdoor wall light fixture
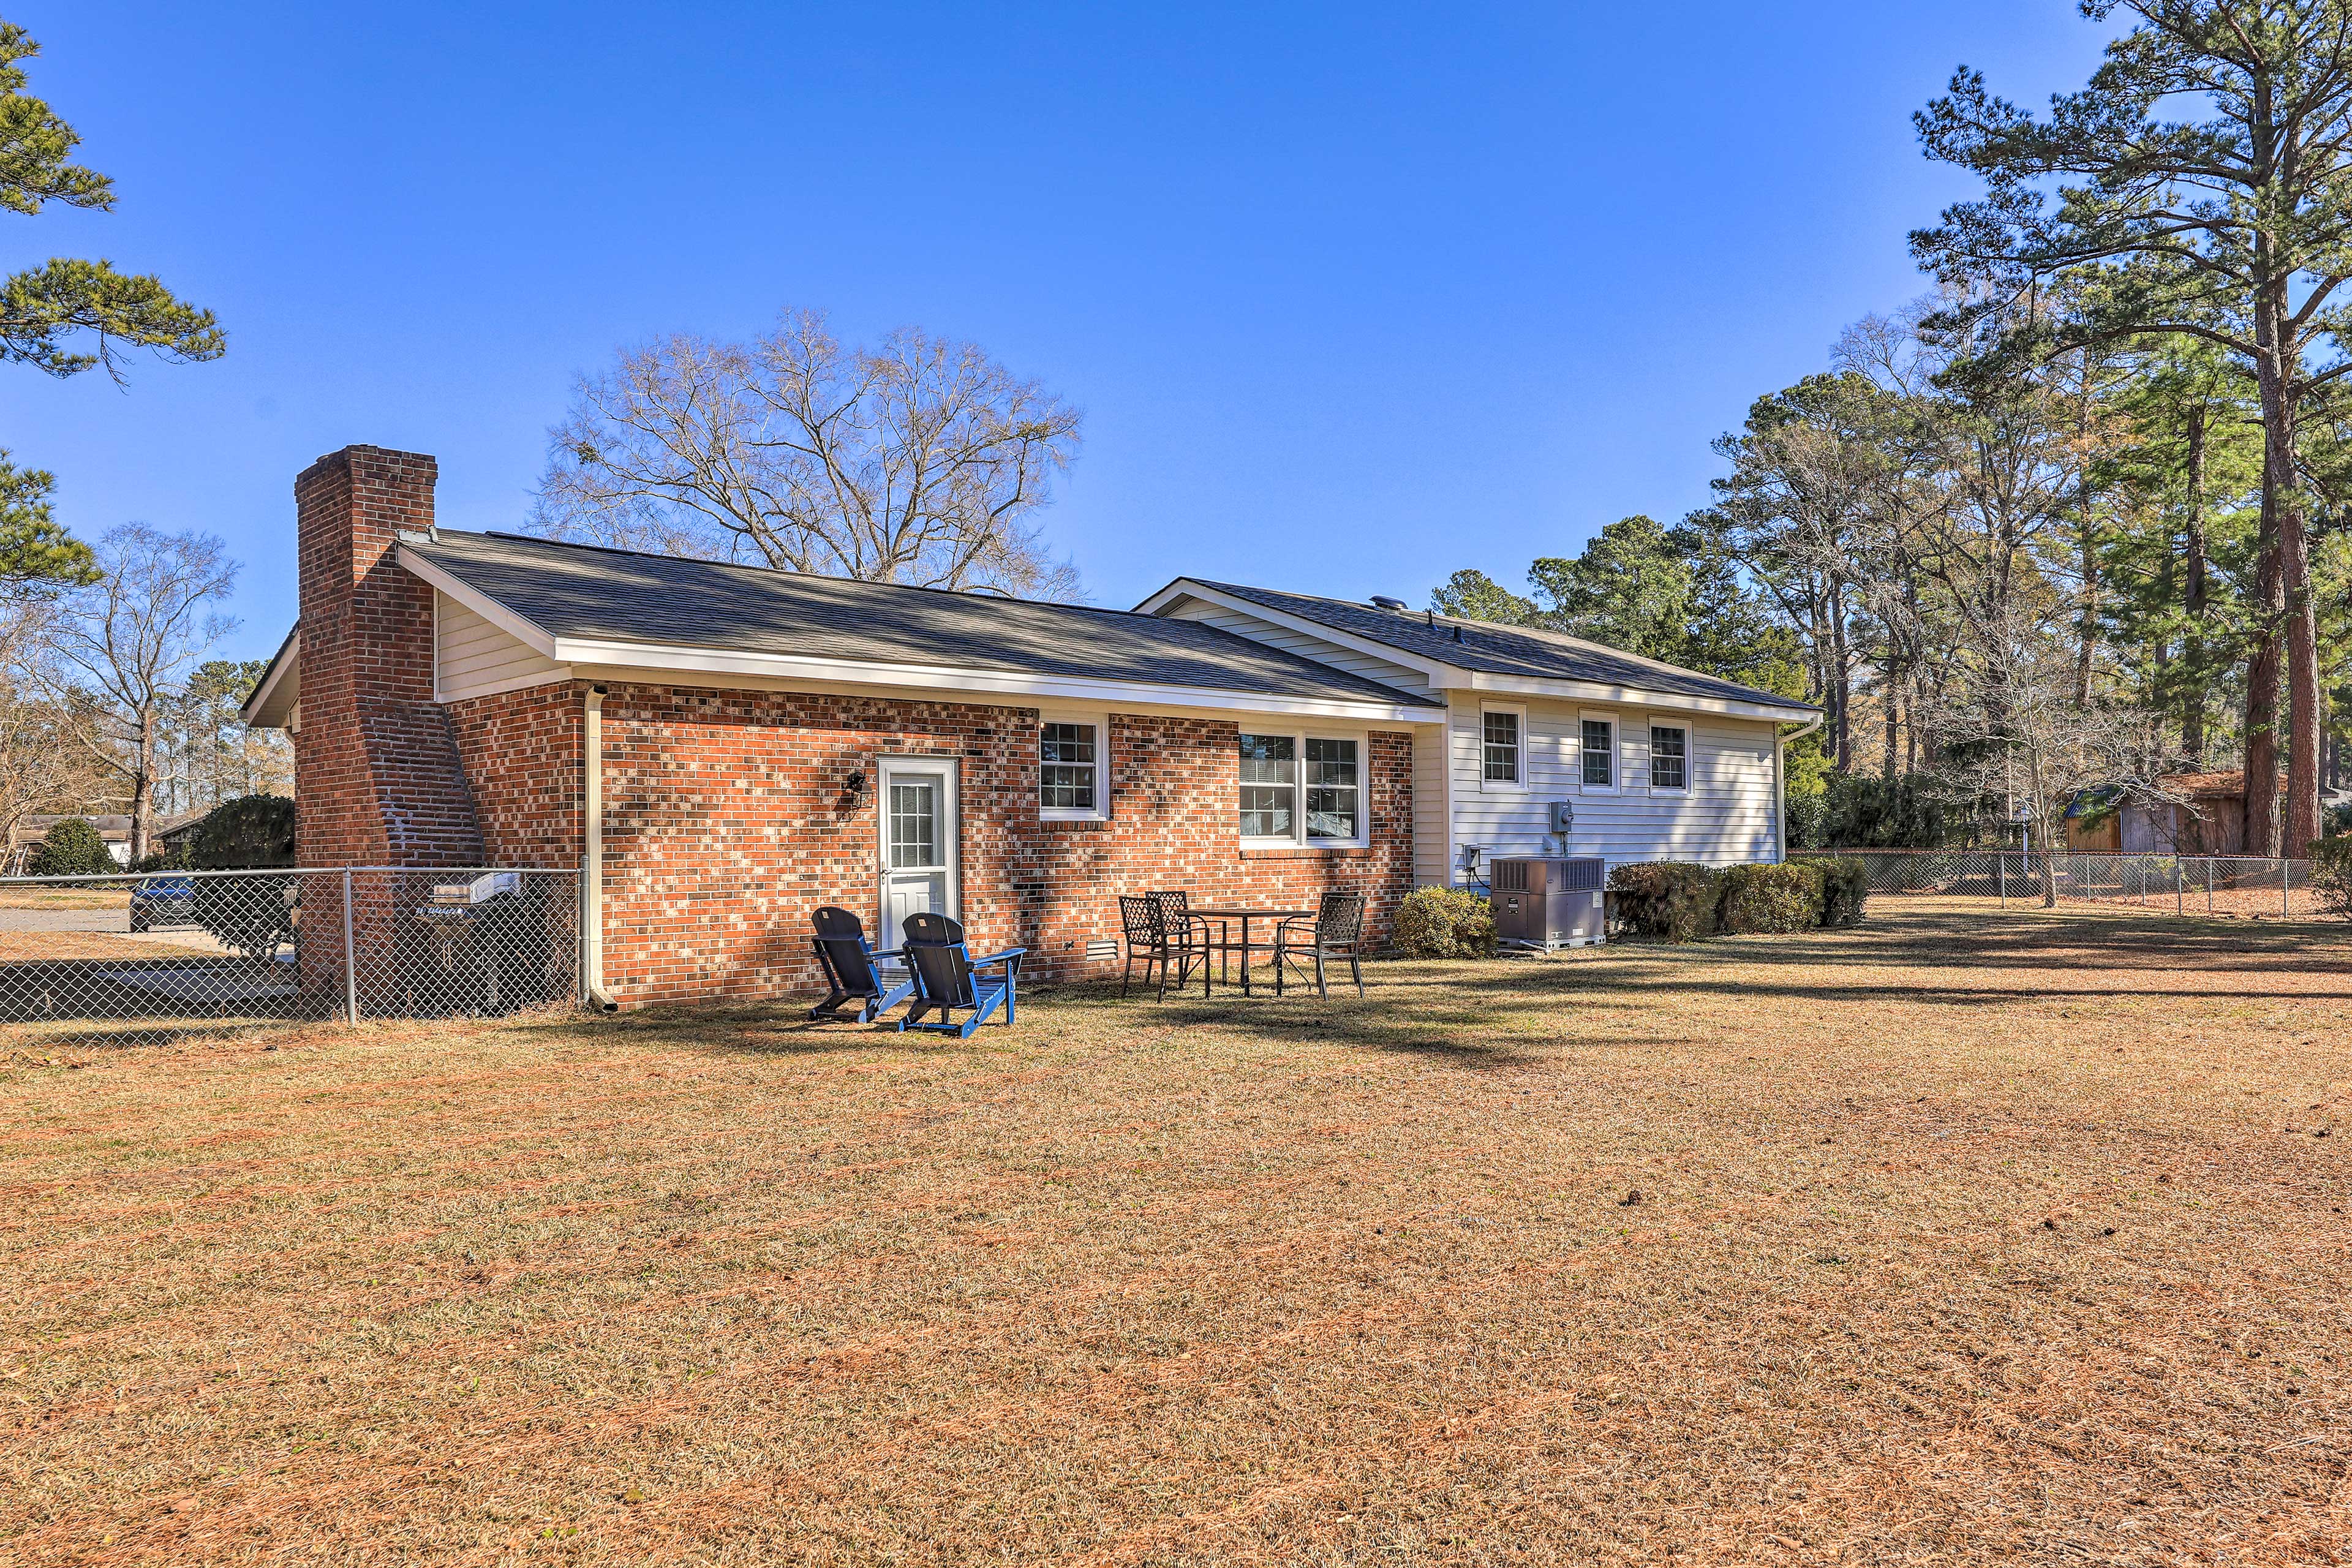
(856, 784)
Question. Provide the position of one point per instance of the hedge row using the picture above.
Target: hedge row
(1681, 901)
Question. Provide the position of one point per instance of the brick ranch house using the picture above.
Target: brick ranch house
(763, 743)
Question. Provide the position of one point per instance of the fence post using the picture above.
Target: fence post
(2001, 874)
(351, 959)
(2180, 888)
(2286, 898)
(2208, 884)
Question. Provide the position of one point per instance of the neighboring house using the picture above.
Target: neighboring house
(114, 831)
(767, 742)
(1658, 763)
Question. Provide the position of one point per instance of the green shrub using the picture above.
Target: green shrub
(249, 832)
(73, 848)
(2331, 874)
(1671, 899)
(1444, 922)
(1846, 885)
(1772, 900)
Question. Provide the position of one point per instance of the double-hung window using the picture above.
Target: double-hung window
(1501, 750)
(1669, 757)
(1598, 747)
(1071, 785)
(1301, 789)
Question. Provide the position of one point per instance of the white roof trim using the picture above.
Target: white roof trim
(1443, 675)
(262, 710)
(702, 663)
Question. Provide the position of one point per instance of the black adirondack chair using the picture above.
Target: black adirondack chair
(849, 964)
(947, 976)
(1336, 933)
(1160, 934)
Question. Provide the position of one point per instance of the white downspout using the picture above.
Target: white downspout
(1780, 776)
(592, 864)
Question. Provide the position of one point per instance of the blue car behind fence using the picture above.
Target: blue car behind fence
(164, 901)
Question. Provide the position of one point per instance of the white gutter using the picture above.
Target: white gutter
(591, 865)
(1780, 777)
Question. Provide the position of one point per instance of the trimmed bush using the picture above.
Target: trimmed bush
(73, 848)
(1846, 885)
(1770, 900)
(253, 831)
(1672, 899)
(2331, 874)
(1444, 922)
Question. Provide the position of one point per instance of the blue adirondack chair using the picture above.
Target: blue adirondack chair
(948, 977)
(849, 964)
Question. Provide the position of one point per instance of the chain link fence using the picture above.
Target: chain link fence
(92, 960)
(2241, 885)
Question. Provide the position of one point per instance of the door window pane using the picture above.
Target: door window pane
(1668, 764)
(1332, 789)
(914, 824)
(1599, 753)
(1066, 767)
(1269, 785)
(1501, 748)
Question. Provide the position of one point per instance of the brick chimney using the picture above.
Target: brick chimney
(376, 770)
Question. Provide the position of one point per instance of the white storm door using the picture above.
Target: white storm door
(919, 841)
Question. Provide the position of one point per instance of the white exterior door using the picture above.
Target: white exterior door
(917, 802)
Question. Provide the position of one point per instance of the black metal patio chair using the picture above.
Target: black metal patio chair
(1336, 932)
(1160, 933)
(848, 960)
(947, 976)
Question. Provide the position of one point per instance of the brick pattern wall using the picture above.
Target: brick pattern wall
(729, 817)
(375, 766)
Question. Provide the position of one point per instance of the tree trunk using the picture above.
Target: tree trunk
(1842, 660)
(2301, 636)
(2269, 608)
(143, 790)
(2192, 601)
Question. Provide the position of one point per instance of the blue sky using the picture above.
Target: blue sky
(1350, 296)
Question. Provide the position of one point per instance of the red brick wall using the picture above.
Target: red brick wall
(375, 767)
(727, 819)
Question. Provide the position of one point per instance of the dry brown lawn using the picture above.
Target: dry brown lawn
(1958, 1239)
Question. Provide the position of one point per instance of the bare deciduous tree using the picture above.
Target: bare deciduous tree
(921, 460)
(117, 651)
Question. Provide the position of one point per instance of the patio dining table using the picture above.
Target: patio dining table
(1226, 943)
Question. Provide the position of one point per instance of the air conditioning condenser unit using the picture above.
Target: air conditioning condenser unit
(1548, 903)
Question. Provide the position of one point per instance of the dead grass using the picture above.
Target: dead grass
(1958, 1241)
(57, 946)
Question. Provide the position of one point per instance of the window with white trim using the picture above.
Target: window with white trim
(1669, 756)
(1300, 789)
(1597, 742)
(1499, 735)
(1071, 783)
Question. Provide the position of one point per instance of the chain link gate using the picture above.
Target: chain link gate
(152, 956)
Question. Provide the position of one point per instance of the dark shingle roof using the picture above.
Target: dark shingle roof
(587, 592)
(1502, 650)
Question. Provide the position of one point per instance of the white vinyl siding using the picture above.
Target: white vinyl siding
(1431, 807)
(1724, 816)
(472, 657)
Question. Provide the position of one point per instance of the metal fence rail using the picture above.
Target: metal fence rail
(153, 956)
(2183, 884)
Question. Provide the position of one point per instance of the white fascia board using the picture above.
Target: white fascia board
(263, 711)
(1634, 697)
(699, 665)
(526, 632)
(1438, 672)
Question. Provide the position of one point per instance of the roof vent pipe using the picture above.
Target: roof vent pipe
(1383, 601)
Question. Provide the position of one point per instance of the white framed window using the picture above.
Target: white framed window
(1596, 751)
(1073, 767)
(1670, 758)
(1301, 788)
(1502, 749)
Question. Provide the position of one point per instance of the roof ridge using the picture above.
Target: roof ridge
(1430, 619)
(788, 572)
